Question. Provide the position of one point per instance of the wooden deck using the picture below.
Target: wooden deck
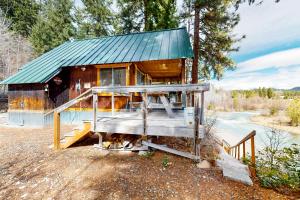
(158, 124)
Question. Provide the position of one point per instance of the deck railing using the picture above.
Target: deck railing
(194, 90)
(235, 150)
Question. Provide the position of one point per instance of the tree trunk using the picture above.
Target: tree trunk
(196, 44)
(146, 15)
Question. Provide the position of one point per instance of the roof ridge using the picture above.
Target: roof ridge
(100, 37)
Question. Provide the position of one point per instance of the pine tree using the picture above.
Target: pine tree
(147, 15)
(22, 15)
(54, 25)
(167, 17)
(98, 18)
(214, 21)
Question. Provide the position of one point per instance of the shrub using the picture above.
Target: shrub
(211, 106)
(274, 110)
(165, 161)
(294, 112)
(276, 166)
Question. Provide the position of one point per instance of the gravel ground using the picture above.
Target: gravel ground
(30, 169)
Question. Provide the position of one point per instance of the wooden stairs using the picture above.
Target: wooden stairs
(76, 135)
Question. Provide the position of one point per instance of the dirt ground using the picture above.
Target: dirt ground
(30, 169)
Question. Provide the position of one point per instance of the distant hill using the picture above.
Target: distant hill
(295, 89)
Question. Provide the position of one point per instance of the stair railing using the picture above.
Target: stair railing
(235, 150)
(56, 114)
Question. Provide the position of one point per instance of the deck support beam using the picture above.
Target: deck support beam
(173, 151)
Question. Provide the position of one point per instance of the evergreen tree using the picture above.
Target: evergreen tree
(21, 13)
(147, 15)
(167, 17)
(270, 93)
(54, 25)
(97, 18)
(214, 21)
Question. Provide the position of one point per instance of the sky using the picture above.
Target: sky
(270, 54)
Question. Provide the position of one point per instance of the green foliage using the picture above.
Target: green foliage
(96, 18)
(148, 154)
(147, 15)
(274, 110)
(270, 93)
(211, 106)
(282, 170)
(294, 112)
(53, 27)
(21, 13)
(291, 94)
(217, 21)
(165, 161)
(278, 166)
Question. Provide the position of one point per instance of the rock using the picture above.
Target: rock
(204, 164)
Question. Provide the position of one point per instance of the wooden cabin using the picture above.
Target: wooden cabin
(70, 69)
(91, 80)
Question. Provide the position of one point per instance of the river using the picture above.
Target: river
(233, 126)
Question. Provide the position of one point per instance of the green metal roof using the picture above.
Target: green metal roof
(156, 45)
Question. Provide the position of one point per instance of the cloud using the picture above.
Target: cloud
(277, 70)
(269, 25)
(279, 59)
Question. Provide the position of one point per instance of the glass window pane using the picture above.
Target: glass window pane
(140, 78)
(119, 76)
(106, 77)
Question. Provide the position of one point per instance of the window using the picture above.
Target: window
(140, 78)
(113, 76)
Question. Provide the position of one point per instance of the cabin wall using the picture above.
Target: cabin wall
(26, 104)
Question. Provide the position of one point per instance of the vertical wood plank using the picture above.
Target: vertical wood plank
(144, 110)
(202, 109)
(95, 107)
(196, 125)
(252, 151)
(235, 152)
(183, 71)
(56, 130)
(244, 150)
(238, 152)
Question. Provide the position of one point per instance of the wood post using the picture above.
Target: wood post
(196, 125)
(252, 151)
(238, 152)
(144, 110)
(112, 103)
(95, 108)
(56, 130)
(202, 109)
(235, 151)
(244, 150)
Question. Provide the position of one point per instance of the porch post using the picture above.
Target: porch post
(95, 109)
(196, 126)
(56, 130)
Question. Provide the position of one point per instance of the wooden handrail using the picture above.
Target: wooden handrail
(249, 136)
(236, 149)
(71, 102)
(56, 114)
